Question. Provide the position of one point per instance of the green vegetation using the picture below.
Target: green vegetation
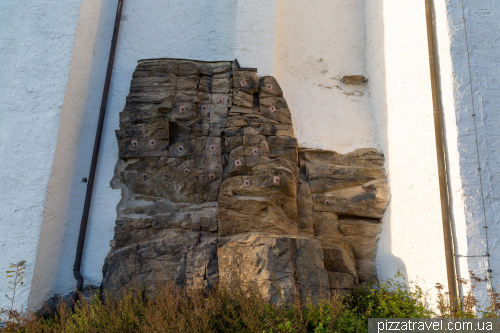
(171, 309)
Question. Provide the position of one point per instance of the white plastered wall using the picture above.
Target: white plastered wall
(397, 58)
(475, 50)
(398, 67)
(385, 40)
(397, 63)
(255, 35)
(36, 41)
(316, 45)
(202, 30)
(62, 180)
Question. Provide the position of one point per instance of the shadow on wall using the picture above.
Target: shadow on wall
(66, 193)
(387, 263)
(399, 85)
(145, 32)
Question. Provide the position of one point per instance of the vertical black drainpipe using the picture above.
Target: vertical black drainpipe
(95, 155)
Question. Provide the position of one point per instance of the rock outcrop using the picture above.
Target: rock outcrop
(282, 267)
(214, 185)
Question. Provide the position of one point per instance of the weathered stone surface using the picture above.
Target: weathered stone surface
(305, 209)
(362, 236)
(278, 265)
(342, 292)
(264, 199)
(240, 214)
(170, 174)
(341, 281)
(352, 186)
(368, 200)
(213, 181)
(269, 87)
(221, 83)
(243, 98)
(363, 157)
(246, 80)
(339, 258)
(186, 257)
(276, 108)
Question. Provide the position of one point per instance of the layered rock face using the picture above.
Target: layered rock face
(214, 185)
(342, 199)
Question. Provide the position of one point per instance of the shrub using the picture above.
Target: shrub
(391, 299)
(168, 308)
(468, 306)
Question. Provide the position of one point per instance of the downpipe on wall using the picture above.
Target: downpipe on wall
(95, 154)
(451, 269)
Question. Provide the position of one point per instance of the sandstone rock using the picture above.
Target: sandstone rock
(276, 108)
(208, 159)
(319, 156)
(204, 220)
(156, 68)
(221, 83)
(342, 292)
(243, 98)
(243, 214)
(267, 129)
(280, 266)
(221, 67)
(188, 82)
(339, 258)
(341, 281)
(327, 228)
(143, 84)
(246, 80)
(305, 209)
(187, 68)
(362, 236)
(186, 257)
(269, 87)
(130, 230)
(205, 84)
(368, 200)
(363, 157)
